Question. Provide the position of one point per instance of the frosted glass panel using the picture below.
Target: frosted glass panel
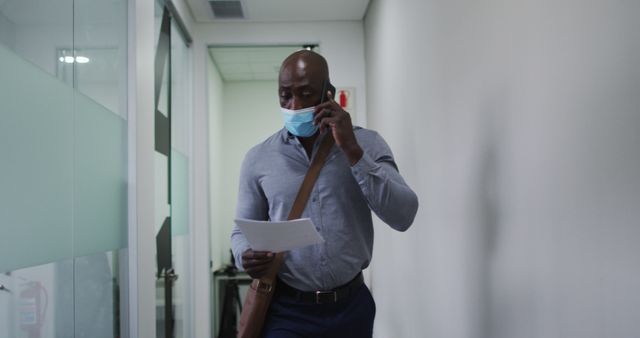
(162, 208)
(37, 172)
(164, 94)
(179, 194)
(36, 175)
(100, 179)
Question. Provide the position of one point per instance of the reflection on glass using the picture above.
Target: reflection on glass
(100, 44)
(34, 29)
(39, 302)
(96, 72)
(69, 298)
(97, 295)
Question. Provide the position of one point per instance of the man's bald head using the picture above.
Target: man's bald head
(307, 61)
(303, 80)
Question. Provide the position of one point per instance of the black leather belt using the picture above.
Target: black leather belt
(321, 297)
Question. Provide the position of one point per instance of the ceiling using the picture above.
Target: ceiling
(250, 63)
(61, 13)
(287, 10)
(263, 63)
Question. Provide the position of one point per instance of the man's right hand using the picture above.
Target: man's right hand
(257, 263)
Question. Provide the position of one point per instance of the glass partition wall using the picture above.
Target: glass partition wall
(63, 167)
(173, 121)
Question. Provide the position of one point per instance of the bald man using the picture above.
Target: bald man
(320, 292)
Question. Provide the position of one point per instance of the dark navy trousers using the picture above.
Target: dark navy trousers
(353, 317)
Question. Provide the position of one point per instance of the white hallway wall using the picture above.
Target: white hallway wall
(250, 114)
(215, 90)
(518, 124)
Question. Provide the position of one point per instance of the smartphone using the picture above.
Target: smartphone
(326, 86)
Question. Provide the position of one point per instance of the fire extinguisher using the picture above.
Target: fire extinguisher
(342, 98)
(32, 308)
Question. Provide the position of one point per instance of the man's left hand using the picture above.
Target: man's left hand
(329, 114)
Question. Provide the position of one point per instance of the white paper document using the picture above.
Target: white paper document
(279, 236)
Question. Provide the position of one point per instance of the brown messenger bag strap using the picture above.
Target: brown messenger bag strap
(310, 178)
(302, 197)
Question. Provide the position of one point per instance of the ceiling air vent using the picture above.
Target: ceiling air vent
(227, 9)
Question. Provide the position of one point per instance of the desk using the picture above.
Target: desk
(219, 282)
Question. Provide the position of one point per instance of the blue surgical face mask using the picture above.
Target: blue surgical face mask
(299, 122)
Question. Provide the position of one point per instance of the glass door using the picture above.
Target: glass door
(173, 179)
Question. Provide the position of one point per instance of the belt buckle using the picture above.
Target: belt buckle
(320, 294)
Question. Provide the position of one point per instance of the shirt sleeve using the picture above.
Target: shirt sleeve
(252, 204)
(387, 194)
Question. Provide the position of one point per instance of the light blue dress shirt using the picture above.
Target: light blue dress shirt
(340, 204)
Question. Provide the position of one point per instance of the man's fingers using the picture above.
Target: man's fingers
(329, 95)
(324, 113)
(320, 115)
(329, 103)
(261, 269)
(327, 122)
(251, 259)
(257, 273)
(256, 262)
(250, 254)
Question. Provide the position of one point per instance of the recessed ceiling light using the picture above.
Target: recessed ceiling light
(71, 59)
(82, 59)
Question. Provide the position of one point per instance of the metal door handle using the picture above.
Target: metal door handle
(171, 275)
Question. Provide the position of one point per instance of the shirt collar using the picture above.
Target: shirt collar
(286, 136)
